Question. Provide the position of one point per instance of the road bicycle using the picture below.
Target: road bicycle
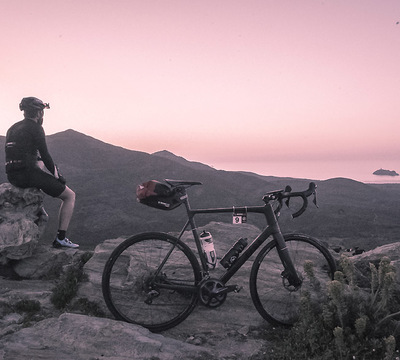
(154, 279)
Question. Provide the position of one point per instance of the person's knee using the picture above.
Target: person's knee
(73, 196)
(68, 195)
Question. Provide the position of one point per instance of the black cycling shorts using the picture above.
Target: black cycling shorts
(38, 179)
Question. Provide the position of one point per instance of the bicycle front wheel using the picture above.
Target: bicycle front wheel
(275, 299)
(151, 280)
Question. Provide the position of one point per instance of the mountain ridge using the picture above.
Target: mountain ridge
(105, 177)
(171, 156)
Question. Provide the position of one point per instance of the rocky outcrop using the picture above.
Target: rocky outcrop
(233, 330)
(22, 221)
(230, 331)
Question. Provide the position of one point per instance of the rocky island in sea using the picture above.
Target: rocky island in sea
(385, 172)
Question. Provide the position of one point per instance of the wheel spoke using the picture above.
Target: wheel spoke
(137, 290)
(273, 296)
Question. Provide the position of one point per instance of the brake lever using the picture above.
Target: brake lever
(315, 199)
(288, 189)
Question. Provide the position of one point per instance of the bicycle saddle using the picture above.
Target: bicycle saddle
(182, 182)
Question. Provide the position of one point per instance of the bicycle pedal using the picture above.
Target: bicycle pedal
(238, 289)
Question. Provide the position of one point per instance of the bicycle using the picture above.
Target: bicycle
(154, 279)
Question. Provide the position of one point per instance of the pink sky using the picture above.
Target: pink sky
(216, 81)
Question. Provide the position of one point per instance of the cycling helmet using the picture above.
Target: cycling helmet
(33, 103)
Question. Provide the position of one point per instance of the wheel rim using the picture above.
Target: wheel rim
(274, 298)
(135, 292)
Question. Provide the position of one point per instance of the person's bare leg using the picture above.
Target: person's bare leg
(66, 208)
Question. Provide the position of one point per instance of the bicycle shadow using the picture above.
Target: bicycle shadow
(235, 327)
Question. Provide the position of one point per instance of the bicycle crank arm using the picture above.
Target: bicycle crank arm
(228, 289)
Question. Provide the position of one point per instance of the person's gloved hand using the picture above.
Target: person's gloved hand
(62, 180)
(58, 175)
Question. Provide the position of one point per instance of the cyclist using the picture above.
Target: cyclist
(25, 149)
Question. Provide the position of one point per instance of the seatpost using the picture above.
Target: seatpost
(193, 226)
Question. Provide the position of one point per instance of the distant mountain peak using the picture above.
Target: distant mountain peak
(69, 131)
(166, 153)
(181, 160)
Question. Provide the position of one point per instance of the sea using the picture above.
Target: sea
(320, 170)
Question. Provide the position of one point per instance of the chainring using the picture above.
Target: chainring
(209, 293)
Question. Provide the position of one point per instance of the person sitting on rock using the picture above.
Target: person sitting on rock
(26, 150)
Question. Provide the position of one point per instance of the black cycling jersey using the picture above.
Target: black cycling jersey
(25, 142)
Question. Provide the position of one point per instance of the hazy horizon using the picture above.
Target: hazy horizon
(320, 170)
(316, 169)
(359, 170)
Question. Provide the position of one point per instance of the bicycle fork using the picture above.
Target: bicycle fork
(289, 273)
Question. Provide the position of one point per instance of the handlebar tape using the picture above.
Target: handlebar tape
(302, 194)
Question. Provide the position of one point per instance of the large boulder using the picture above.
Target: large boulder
(363, 260)
(22, 221)
(45, 262)
(92, 289)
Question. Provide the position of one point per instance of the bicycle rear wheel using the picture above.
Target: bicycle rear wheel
(272, 295)
(151, 280)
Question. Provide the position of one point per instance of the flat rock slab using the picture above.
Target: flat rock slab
(74, 337)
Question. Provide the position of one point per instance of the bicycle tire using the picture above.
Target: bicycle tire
(130, 287)
(276, 301)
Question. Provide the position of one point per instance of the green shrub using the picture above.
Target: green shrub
(353, 323)
(30, 309)
(27, 306)
(87, 307)
(67, 288)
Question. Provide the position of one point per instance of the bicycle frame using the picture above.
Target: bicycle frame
(271, 229)
(168, 279)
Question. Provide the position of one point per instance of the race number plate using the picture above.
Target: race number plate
(239, 217)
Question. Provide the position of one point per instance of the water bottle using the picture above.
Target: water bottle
(207, 244)
(233, 254)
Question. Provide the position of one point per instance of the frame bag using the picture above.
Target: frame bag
(157, 195)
